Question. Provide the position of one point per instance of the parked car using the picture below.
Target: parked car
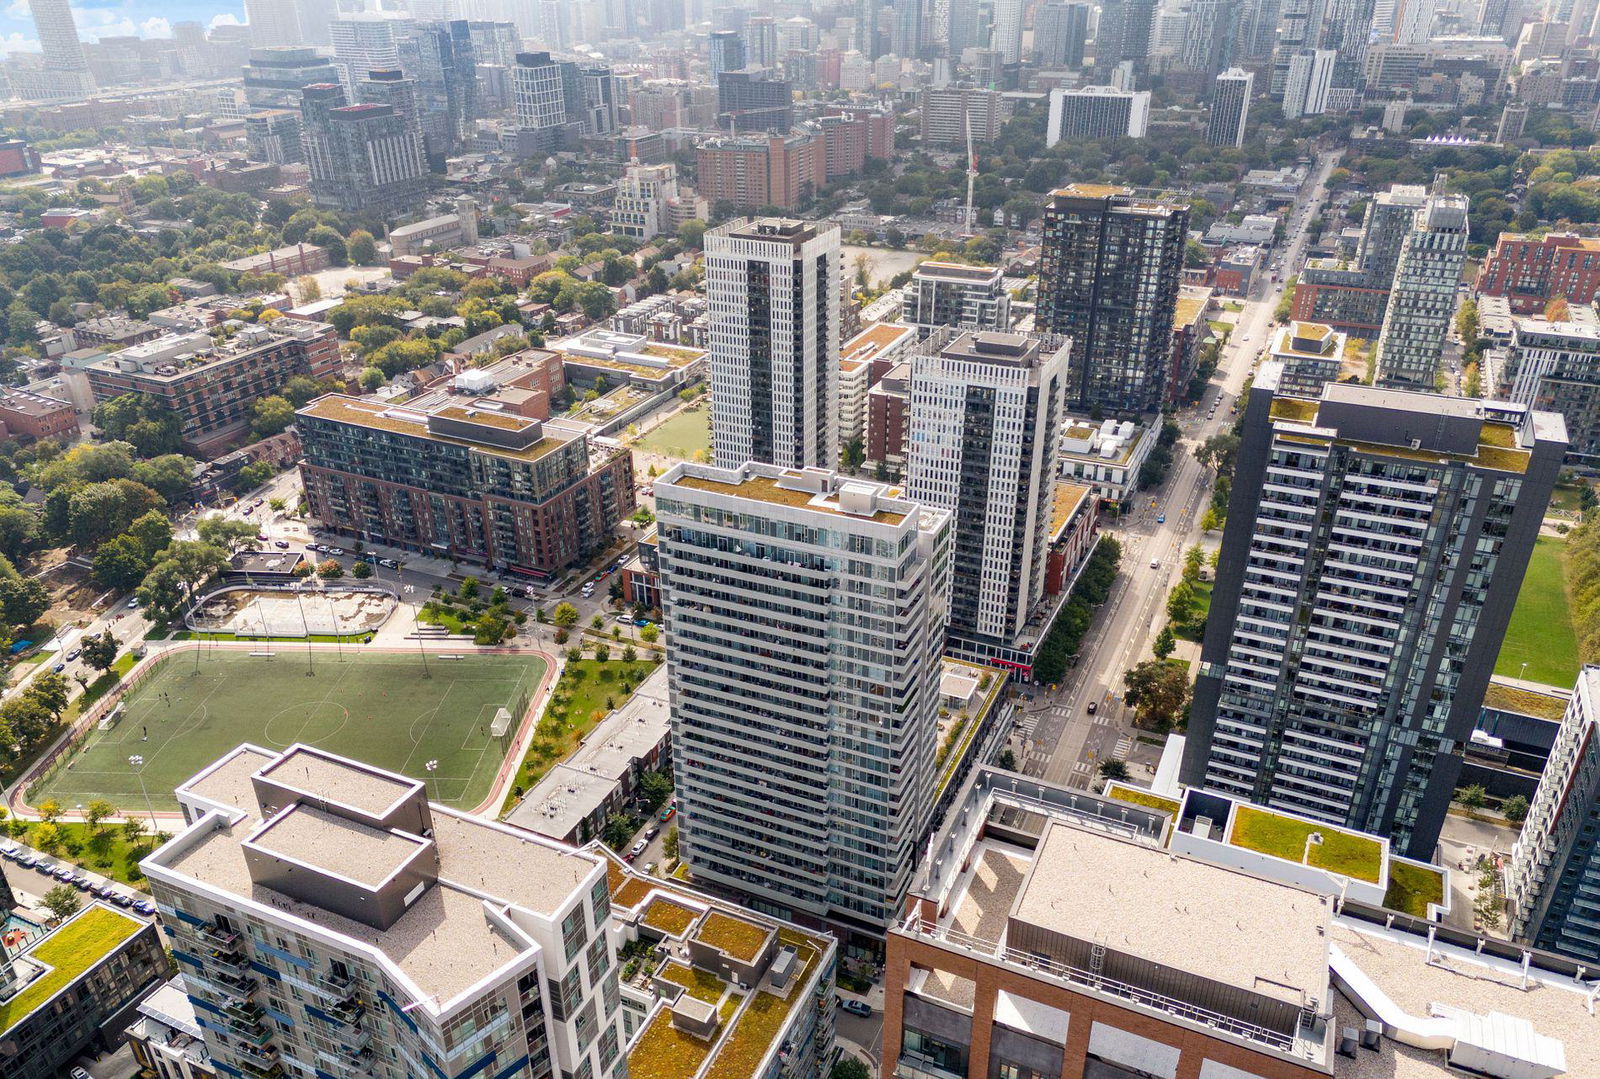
(282, 545)
(59, 667)
(642, 622)
(652, 831)
(74, 654)
(63, 874)
(8, 850)
(666, 813)
(79, 1073)
(133, 603)
(637, 849)
(258, 502)
(248, 510)
(856, 1007)
(81, 882)
(261, 537)
(104, 891)
(26, 860)
(121, 900)
(314, 547)
(335, 551)
(145, 907)
(389, 563)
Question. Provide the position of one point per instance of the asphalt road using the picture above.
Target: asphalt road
(1060, 741)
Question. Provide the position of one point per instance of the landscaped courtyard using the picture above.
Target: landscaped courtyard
(382, 709)
(1541, 644)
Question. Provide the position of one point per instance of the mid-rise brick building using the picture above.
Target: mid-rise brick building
(33, 416)
(463, 480)
(212, 382)
(1530, 271)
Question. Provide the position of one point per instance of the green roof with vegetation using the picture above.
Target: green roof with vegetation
(668, 917)
(1413, 887)
(665, 1052)
(1347, 853)
(1138, 797)
(734, 937)
(1504, 698)
(70, 952)
(701, 984)
(757, 1028)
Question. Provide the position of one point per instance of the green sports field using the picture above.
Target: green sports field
(1540, 643)
(373, 707)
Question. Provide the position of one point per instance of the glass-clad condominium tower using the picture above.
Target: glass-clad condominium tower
(1376, 540)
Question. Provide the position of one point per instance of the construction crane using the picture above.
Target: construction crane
(972, 169)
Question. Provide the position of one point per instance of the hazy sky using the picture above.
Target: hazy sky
(106, 18)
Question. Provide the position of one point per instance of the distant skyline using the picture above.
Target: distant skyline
(112, 18)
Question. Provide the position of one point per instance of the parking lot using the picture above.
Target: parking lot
(34, 880)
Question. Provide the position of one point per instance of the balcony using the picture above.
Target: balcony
(228, 959)
(218, 937)
(333, 980)
(248, 1031)
(242, 1010)
(261, 1071)
(237, 984)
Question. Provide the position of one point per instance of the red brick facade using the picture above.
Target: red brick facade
(1531, 271)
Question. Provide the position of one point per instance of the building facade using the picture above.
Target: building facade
(1353, 297)
(365, 157)
(1375, 544)
(1097, 112)
(1530, 271)
(1557, 369)
(213, 384)
(985, 424)
(806, 613)
(58, 990)
(1230, 107)
(1422, 301)
(1109, 271)
(275, 75)
(1553, 884)
(321, 913)
(754, 99)
(752, 171)
(948, 111)
(955, 295)
(772, 293)
(463, 481)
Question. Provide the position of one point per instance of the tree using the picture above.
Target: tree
(100, 650)
(1007, 760)
(49, 810)
(1557, 309)
(1164, 644)
(602, 652)
(565, 615)
(97, 811)
(1515, 809)
(309, 290)
(46, 836)
(362, 249)
(22, 599)
(1113, 769)
(98, 511)
(649, 634)
(329, 569)
(1472, 796)
(153, 531)
(120, 563)
(19, 531)
(1194, 560)
(170, 475)
(692, 233)
(361, 570)
(271, 415)
(1218, 452)
(1158, 690)
(141, 420)
(853, 456)
(62, 901)
(654, 789)
(226, 533)
(618, 830)
(848, 1067)
(132, 829)
(1182, 604)
(51, 692)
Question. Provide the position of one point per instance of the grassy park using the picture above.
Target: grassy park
(1541, 634)
(682, 436)
(378, 708)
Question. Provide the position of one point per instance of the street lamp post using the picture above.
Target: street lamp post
(432, 767)
(300, 600)
(1314, 839)
(136, 762)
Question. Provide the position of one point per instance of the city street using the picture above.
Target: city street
(1060, 740)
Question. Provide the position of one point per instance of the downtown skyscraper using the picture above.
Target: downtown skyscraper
(1109, 271)
(807, 614)
(1423, 297)
(66, 72)
(773, 290)
(1375, 544)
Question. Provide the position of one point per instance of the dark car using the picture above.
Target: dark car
(121, 900)
(1093, 707)
(145, 907)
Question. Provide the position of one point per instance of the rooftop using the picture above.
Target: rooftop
(405, 421)
(336, 845)
(65, 954)
(751, 1019)
(327, 780)
(958, 270)
(444, 943)
(1069, 496)
(787, 487)
(1178, 912)
(872, 342)
(1551, 705)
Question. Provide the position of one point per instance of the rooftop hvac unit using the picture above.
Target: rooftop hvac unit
(1347, 1042)
(1201, 827)
(1372, 1035)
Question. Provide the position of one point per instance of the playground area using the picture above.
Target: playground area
(272, 613)
(386, 709)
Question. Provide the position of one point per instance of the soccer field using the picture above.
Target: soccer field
(373, 707)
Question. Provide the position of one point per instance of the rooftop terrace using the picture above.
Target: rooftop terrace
(66, 954)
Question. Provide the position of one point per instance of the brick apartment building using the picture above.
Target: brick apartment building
(463, 480)
(212, 383)
(763, 170)
(32, 416)
(1529, 271)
